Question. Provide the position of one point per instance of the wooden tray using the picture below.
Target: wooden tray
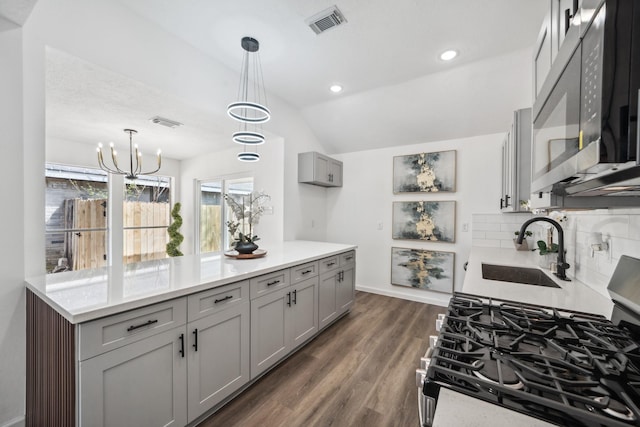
(258, 253)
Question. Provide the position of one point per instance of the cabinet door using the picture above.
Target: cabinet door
(321, 169)
(327, 298)
(345, 289)
(143, 384)
(542, 55)
(218, 356)
(303, 314)
(269, 330)
(335, 173)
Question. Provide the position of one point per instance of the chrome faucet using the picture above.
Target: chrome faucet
(562, 264)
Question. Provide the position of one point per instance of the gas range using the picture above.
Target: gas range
(565, 367)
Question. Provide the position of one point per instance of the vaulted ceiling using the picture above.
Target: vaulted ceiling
(386, 56)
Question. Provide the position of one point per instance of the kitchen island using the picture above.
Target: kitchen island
(167, 342)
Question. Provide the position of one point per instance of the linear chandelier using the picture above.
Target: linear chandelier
(135, 159)
(250, 109)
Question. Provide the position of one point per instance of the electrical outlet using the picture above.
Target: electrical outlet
(465, 227)
(379, 225)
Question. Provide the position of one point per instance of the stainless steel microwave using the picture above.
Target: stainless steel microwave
(585, 127)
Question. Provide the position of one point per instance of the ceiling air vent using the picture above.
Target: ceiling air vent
(165, 122)
(326, 19)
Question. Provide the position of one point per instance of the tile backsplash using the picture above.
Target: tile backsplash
(619, 228)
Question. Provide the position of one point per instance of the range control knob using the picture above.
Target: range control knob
(433, 341)
(439, 322)
(421, 374)
(425, 362)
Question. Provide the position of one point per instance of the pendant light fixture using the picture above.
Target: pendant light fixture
(250, 109)
(135, 160)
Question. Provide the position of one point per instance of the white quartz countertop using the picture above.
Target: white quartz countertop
(85, 295)
(573, 295)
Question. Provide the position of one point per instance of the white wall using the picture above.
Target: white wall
(12, 250)
(354, 210)
(267, 175)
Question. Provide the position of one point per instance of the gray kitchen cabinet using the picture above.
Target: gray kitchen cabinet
(336, 287)
(218, 346)
(140, 384)
(269, 330)
(281, 321)
(563, 21)
(318, 169)
(542, 54)
(516, 163)
(303, 313)
(132, 369)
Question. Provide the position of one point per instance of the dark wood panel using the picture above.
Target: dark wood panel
(358, 372)
(50, 396)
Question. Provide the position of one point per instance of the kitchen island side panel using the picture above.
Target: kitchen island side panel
(51, 375)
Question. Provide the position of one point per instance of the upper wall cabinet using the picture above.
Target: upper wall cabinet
(559, 20)
(516, 163)
(318, 169)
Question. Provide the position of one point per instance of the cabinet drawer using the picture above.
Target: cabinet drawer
(347, 258)
(214, 300)
(304, 272)
(269, 282)
(108, 333)
(328, 264)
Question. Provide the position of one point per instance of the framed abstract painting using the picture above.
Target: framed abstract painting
(422, 269)
(425, 172)
(424, 220)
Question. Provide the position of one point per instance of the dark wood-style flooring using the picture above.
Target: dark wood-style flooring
(358, 372)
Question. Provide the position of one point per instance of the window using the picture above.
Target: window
(77, 209)
(214, 213)
(76, 202)
(146, 213)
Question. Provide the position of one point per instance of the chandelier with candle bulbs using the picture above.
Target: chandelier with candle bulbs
(135, 160)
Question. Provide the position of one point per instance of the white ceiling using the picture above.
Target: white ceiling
(379, 55)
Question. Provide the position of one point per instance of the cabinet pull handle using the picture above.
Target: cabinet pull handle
(181, 345)
(195, 339)
(349, 258)
(142, 325)
(273, 283)
(289, 299)
(506, 200)
(501, 203)
(330, 264)
(222, 299)
(307, 271)
(295, 297)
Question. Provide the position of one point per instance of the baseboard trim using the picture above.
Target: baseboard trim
(441, 300)
(16, 422)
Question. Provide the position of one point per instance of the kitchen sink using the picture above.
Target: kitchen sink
(524, 275)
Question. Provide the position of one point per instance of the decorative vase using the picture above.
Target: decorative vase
(524, 246)
(246, 247)
(545, 261)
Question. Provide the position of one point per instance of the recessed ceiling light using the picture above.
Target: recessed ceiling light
(335, 88)
(448, 55)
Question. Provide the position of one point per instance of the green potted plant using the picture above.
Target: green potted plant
(175, 238)
(524, 246)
